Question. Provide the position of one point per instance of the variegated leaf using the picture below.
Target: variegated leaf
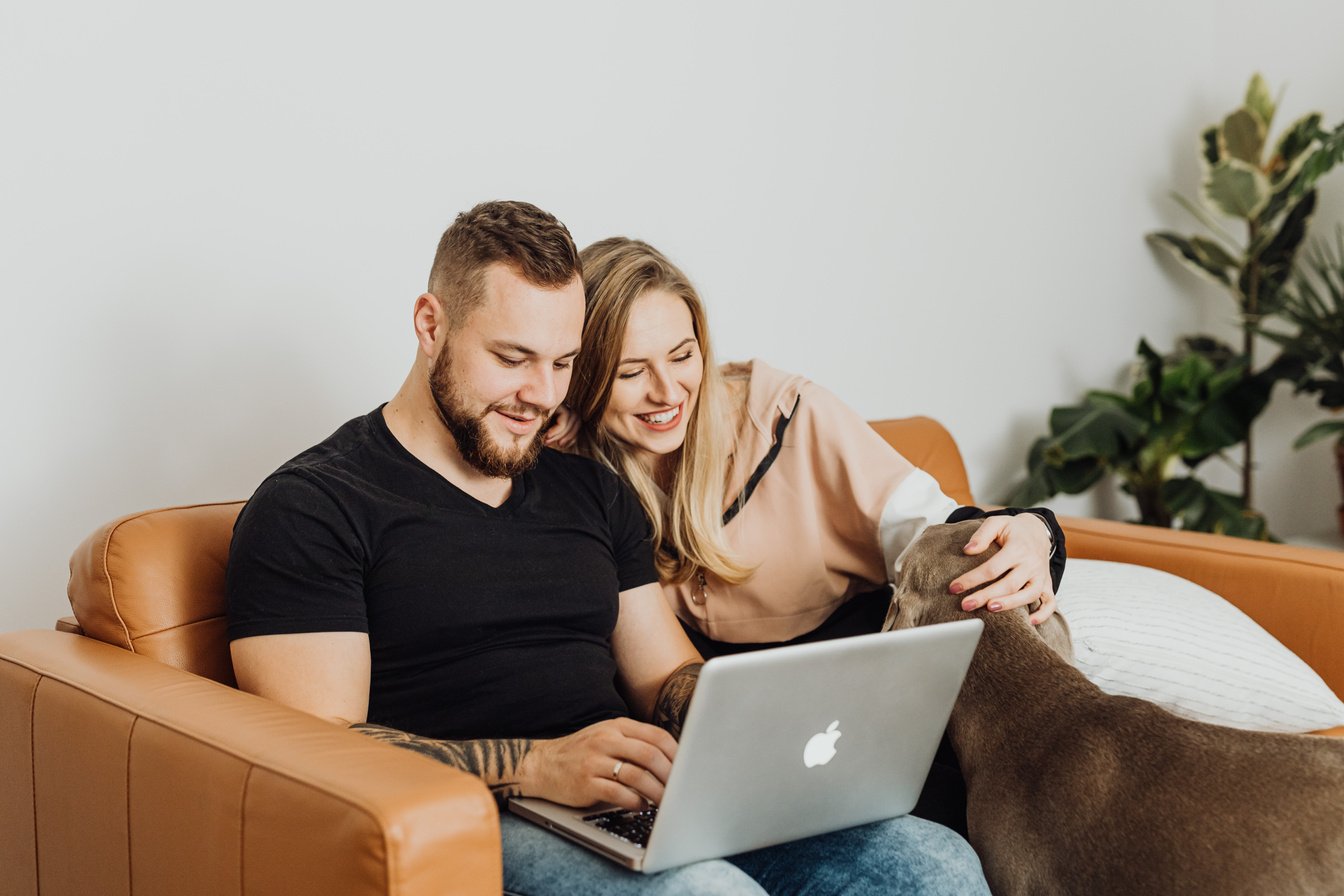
(1213, 253)
(1184, 249)
(1236, 189)
(1291, 149)
(1259, 101)
(1244, 136)
(1210, 149)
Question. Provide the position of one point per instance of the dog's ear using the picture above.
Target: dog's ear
(901, 614)
(893, 609)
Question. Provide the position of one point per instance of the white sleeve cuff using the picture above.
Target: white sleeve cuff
(914, 504)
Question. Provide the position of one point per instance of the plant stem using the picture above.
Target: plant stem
(1151, 510)
(1146, 487)
(1250, 317)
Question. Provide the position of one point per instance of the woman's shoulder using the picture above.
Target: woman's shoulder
(765, 391)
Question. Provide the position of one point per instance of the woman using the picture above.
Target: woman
(774, 505)
(779, 515)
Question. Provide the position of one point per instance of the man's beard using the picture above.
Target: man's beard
(474, 442)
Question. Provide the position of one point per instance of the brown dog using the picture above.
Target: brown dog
(1073, 791)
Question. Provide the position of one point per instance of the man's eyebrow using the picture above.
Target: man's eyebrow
(517, 349)
(674, 348)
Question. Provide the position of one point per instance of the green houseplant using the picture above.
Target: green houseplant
(1182, 410)
(1270, 190)
(1312, 352)
(1203, 399)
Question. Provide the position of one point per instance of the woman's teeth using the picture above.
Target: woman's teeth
(661, 418)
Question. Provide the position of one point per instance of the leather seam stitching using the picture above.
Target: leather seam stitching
(130, 850)
(111, 592)
(242, 831)
(177, 626)
(32, 762)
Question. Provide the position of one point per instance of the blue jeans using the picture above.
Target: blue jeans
(905, 855)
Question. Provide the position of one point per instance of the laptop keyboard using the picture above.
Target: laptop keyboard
(632, 826)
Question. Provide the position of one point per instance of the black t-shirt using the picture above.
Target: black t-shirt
(482, 621)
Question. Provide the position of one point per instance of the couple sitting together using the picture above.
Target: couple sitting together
(435, 577)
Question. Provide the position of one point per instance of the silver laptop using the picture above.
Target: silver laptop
(786, 743)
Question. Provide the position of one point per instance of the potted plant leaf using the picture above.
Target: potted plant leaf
(1270, 190)
(1312, 353)
(1182, 410)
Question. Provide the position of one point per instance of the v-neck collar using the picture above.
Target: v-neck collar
(517, 492)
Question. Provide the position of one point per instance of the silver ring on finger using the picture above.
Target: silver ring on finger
(616, 771)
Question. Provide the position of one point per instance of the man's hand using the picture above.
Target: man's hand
(1019, 574)
(618, 761)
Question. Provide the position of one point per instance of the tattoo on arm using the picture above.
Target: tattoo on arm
(495, 761)
(674, 698)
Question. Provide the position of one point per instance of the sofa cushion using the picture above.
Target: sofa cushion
(928, 445)
(1146, 633)
(153, 583)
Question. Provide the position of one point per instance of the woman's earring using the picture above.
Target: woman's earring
(700, 593)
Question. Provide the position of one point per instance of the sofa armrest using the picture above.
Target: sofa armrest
(1294, 593)
(118, 768)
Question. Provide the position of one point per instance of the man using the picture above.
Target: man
(430, 576)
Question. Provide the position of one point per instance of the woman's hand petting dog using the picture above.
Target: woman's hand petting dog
(1018, 575)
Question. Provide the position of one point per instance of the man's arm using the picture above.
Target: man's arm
(497, 762)
(327, 674)
(619, 761)
(322, 673)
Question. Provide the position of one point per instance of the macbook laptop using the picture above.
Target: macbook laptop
(789, 742)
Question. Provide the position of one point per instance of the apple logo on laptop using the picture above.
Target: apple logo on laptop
(820, 747)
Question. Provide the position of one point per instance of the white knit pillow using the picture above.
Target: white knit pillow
(1145, 633)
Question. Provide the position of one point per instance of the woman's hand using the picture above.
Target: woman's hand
(1019, 574)
(563, 430)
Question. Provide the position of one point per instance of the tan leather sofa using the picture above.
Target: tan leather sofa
(131, 765)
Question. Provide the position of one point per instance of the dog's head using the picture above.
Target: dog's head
(930, 565)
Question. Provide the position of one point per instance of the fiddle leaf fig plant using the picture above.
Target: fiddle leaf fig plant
(1182, 410)
(1268, 188)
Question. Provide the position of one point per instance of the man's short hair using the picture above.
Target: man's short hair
(530, 241)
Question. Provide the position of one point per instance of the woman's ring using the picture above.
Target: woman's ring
(616, 772)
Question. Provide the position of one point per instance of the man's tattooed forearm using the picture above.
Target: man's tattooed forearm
(494, 761)
(669, 710)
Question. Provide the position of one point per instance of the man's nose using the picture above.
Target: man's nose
(542, 389)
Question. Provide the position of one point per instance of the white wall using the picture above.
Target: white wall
(214, 221)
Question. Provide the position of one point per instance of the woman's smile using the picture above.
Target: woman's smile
(662, 421)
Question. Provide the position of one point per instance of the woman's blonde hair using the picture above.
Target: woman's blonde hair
(688, 521)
